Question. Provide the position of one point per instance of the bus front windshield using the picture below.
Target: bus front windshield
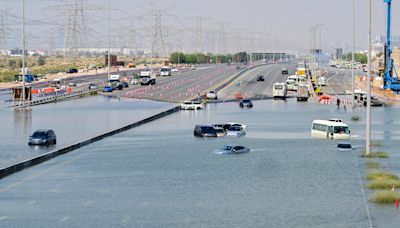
(341, 130)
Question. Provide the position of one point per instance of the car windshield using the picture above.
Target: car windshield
(227, 147)
(164, 70)
(234, 128)
(344, 145)
(208, 129)
(39, 134)
(278, 86)
(246, 101)
(341, 130)
(219, 130)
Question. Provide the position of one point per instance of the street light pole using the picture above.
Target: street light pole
(109, 39)
(23, 53)
(368, 123)
(352, 58)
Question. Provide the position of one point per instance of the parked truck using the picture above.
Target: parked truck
(302, 92)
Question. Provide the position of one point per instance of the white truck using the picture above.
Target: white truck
(302, 92)
(114, 80)
(279, 90)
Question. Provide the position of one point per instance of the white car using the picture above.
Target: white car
(174, 70)
(212, 95)
(232, 149)
(235, 131)
(135, 81)
(192, 105)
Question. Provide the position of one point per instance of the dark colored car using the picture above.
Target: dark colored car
(43, 137)
(375, 102)
(260, 78)
(107, 89)
(125, 84)
(204, 131)
(120, 86)
(285, 71)
(72, 71)
(246, 103)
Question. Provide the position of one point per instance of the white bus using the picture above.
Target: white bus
(279, 90)
(330, 129)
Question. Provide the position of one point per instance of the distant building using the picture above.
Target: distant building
(339, 53)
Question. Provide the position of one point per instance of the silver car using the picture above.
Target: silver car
(232, 149)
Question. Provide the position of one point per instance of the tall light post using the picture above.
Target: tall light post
(368, 123)
(109, 39)
(23, 53)
(352, 58)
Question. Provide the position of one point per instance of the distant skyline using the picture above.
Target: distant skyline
(280, 24)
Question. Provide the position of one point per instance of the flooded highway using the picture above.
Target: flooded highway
(160, 175)
(72, 120)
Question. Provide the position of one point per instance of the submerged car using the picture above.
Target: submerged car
(246, 103)
(204, 131)
(236, 131)
(285, 70)
(237, 125)
(220, 131)
(43, 137)
(344, 146)
(232, 149)
(72, 83)
(107, 89)
(260, 78)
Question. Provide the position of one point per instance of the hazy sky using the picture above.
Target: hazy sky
(289, 21)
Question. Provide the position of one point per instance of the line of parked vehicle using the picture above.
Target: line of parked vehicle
(220, 130)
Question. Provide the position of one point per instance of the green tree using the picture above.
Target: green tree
(191, 58)
(177, 57)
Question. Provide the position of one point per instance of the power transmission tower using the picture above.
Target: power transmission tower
(132, 38)
(199, 44)
(158, 45)
(3, 44)
(221, 48)
(76, 28)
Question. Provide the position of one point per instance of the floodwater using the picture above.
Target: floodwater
(73, 121)
(160, 175)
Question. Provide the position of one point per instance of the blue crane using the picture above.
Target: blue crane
(390, 82)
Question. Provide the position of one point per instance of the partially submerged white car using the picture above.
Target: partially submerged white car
(235, 131)
(192, 105)
(212, 95)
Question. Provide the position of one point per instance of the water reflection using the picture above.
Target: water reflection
(23, 121)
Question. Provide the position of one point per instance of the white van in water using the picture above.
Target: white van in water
(329, 129)
(291, 85)
(279, 90)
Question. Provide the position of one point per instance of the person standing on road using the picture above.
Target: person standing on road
(338, 102)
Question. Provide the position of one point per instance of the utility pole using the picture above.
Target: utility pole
(76, 28)
(109, 39)
(368, 122)
(132, 37)
(352, 59)
(199, 44)
(23, 53)
(158, 45)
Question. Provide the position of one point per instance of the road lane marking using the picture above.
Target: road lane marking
(26, 179)
(64, 219)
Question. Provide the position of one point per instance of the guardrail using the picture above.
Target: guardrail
(56, 98)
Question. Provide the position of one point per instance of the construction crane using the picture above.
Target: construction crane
(390, 82)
